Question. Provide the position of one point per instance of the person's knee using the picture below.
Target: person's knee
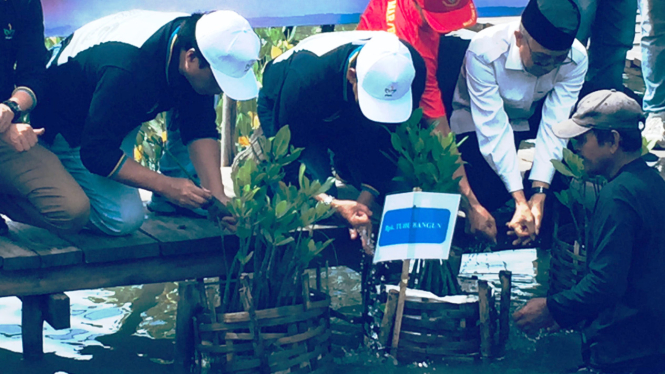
(126, 220)
(75, 213)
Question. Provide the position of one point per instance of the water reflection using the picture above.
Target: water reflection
(131, 329)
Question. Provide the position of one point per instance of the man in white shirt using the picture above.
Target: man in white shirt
(508, 71)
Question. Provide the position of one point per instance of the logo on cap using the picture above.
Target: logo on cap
(249, 66)
(390, 91)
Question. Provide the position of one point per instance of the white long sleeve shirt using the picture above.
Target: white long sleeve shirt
(495, 96)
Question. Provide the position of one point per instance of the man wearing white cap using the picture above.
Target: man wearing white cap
(337, 92)
(119, 71)
(620, 299)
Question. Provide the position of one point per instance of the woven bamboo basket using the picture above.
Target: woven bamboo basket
(464, 326)
(290, 339)
(440, 328)
(568, 261)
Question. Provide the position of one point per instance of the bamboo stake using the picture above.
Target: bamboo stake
(504, 317)
(388, 320)
(485, 328)
(254, 327)
(400, 306)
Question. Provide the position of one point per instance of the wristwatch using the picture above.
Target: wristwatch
(13, 106)
(535, 190)
(328, 199)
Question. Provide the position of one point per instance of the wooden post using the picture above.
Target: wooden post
(504, 309)
(307, 303)
(228, 130)
(388, 318)
(56, 311)
(188, 303)
(318, 276)
(400, 306)
(32, 327)
(485, 322)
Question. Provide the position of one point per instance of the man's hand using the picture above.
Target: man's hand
(358, 215)
(481, 223)
(6, 117)
(219, 213)
(534, 316)
(21, 136)
(522, 224)
(537, 205)
(185, 193)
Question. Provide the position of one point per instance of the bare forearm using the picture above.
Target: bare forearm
(206, 158)
(465, 187)
(23, 100)
(135, 175)
(442, 125)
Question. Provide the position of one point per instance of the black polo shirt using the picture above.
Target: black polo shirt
(101, 93)
(22, 50)
(307, 89)
(622, 297)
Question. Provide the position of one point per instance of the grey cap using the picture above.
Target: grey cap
(604, 110)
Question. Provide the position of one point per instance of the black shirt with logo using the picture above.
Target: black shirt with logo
(309, 92)
(104, 92)
(621, 297)
(22, 51)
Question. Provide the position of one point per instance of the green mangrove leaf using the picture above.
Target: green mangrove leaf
(246, 259)
(281, 208)
(562, 168)
(285, 241)
(301, 174)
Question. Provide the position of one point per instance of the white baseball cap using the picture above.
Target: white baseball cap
(228, 43)
(385, 72)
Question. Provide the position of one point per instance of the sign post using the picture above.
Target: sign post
(415, 225)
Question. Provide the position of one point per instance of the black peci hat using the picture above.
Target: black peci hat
(552, 23)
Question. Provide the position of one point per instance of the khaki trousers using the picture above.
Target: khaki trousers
(37, 190)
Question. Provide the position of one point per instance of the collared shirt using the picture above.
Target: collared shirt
(621, 296)
(306, 88)
(496, 96)
(22, 50)
(114, 74)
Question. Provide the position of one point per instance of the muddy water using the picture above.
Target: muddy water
(131, 329)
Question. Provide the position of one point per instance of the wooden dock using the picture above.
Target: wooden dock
(37, 266)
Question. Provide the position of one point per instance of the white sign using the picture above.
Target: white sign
(417, 225)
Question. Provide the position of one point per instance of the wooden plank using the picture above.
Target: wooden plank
(15, 257)
(108, 274)
(182, 235)
(52, 250)
(104, 248)
(32, 326)
(56, 311)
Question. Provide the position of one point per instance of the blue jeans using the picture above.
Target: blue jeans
(115, 209)
(610, 26)
(653, 54)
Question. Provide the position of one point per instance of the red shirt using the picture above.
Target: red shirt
(402, 18)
